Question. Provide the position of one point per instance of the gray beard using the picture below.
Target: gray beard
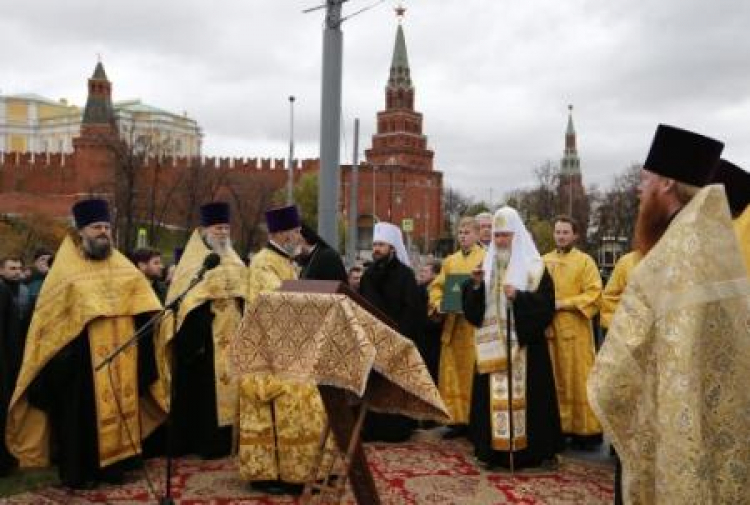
(96, 249)
(289, 248)
(219, 246)
(502, 258)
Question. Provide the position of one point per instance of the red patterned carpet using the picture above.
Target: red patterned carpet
(426, 471)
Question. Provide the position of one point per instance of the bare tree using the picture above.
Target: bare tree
(249, 198)
(616, 209)
(455, 205)
(540, 202)
(199, 185)
(161, 186)
(128, 159)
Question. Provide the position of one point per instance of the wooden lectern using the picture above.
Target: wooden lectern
(320, 332)
(344, 422)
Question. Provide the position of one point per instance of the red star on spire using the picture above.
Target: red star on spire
(400, 12)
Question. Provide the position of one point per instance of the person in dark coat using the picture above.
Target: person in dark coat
(389, 284)
(430, 348)
(20, 310)
(10, 335)
(513, 282)
(148, 261)
(318, 260)
(42, 264)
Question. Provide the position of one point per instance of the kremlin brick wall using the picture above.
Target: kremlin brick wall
(48, 184)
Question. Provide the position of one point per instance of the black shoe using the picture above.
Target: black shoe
(456, 431)
(114, 474)
(550, 465)
(293, 489)
(427, 425)
(590, 445)
(81, 486)
(132, 464)
(112, 478)
(272, 487)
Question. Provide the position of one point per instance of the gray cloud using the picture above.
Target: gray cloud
(493, 78)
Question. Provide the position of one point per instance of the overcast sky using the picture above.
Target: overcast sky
(493, 77)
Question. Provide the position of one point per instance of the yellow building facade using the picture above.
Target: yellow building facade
(33, 123)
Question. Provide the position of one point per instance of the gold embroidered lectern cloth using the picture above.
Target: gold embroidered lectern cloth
(327, 339)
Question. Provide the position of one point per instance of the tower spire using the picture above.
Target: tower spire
(400, 75)
(98, 142)
(571, 130)
(400, 12)
(570, 164)
(399, 139)
(99, 110)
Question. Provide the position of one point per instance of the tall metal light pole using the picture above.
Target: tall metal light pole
(330, 124)
(351, 245)
(290, 179)
(426, 220)
(374, 206)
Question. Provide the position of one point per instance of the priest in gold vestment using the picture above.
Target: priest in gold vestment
(457, 351)
(514, 415)
(670, 382)
(280, 421)
(197, 340)
(742, 230)
(616, 286)
(578, 289)
(89, 422)
(736, 182)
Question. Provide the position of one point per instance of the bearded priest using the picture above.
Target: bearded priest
(513, 281)
(670, 382)
(90, 422)
(280, 421)
(197, 340)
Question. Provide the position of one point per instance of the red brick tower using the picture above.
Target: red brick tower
(399, 140)
(398, 183)
(99, 141)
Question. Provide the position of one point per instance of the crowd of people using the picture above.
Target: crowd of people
(506, 332)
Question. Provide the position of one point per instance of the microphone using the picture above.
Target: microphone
(211, 261)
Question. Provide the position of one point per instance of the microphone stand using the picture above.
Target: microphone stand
(157, 318)
(142, 331)
(167, 498)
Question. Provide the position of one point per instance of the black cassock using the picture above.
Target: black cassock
(194, 420)
(64, 389)
(430, 343)
(533, 312)
(391, 287)
(10, 347)
(323, 264)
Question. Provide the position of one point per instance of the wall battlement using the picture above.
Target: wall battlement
(45, 174)
(31, 160)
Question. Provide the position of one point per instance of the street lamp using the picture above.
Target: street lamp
(290, 179)
(374, 206)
